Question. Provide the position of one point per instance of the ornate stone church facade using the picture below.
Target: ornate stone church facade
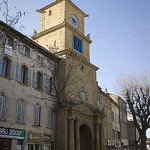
(62, 33)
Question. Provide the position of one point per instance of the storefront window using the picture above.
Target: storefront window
(5, 144)
(30, 147)
(47, 147)
(38, 147)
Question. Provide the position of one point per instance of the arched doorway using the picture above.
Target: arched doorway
(85, 138)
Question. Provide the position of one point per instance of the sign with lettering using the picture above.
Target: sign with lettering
(8, 50)
(39, 138)
(12, 133)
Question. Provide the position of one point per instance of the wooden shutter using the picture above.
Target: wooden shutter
(31, 52)
(29, 77)
(2, 107)
(21, 48)
(52, 85)
(15, 44)
(12, 70)
(23, 112)
(37, 115)
(47, 84)
(19, 111)
(1, 62)
(34, 83)
(18, 72)
(44, 82)
(50, 118)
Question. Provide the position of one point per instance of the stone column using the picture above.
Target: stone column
(71, 133)
(77, 135)
(97, 136)
(101, 137)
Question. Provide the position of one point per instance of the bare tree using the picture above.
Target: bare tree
(8, 17)
(11, 18)
(136, 91)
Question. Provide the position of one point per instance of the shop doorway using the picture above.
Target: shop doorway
(5, 144)
(85, 138)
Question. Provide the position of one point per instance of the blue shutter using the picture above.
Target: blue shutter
(1, 63)
(21, 48)
(12, 70)
(2, 107)
(50, 118)
(47, 84)
(18, 72)
(19, 111)
(37, 115)
(29, 77)
(34, 82)
(44, 82)
(31, 52)
(23, 112)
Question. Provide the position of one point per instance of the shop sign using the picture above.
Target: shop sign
(12, 133)
(39, 138)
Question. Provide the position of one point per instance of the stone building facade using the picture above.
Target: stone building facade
(26, 72)
(122, 120)
(62, 32)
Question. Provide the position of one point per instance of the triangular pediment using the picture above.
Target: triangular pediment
(87, 109)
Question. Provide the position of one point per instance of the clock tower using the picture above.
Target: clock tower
(62, 33)
(62, 28)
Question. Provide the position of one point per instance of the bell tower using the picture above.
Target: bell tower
(62, 28)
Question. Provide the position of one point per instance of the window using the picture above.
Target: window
(52, 65)
(109, 103)
(99, 97)
(26, 51)
(52, 86)
(39, 81)
(40, 58)
(37, 115)
(113, 134)
(2, 108)
(112, 113)
(110, 134)
(8, 41)
(105, 101)
(5, 68)
(107, 132)
(103, 132)
(23, 76)
(50, 118)
(21, 112)
(109, 117)
(106, 114)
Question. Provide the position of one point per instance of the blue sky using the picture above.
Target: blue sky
(120, 31)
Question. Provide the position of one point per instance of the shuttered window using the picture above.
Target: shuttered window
(52, 86)
(25, 50)
(50, 118)
(40, 58)
(39, 81)
(21, 112)
(23, 74)
(5, 67)
(2, 108)
(52, 65)
(37, 115)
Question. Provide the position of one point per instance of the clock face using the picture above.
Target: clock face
(74, 21)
